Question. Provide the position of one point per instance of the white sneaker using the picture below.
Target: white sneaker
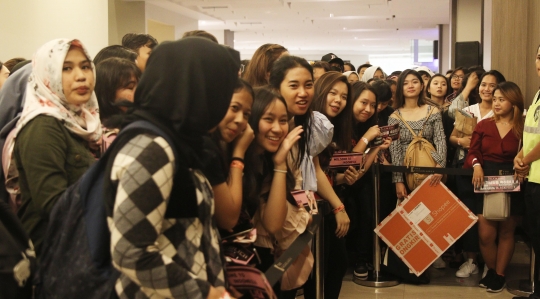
(466, 269)
(439, 263)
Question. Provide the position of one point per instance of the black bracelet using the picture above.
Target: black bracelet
(237, 159)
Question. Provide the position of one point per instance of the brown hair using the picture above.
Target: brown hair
(511, 92)
(342, 122)
(201, 33)
(257, 71)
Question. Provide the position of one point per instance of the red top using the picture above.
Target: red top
(487, 144)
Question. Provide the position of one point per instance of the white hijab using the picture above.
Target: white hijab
(44, 94)
(369, 73)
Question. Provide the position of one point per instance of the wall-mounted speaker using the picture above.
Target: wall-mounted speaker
(435, 49)
(467, 54)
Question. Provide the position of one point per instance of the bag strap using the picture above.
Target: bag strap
(427, 118)
(405, 122)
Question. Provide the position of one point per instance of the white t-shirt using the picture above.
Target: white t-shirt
(475, 110)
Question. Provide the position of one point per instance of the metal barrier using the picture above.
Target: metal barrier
(376, 279)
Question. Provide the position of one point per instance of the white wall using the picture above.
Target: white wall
(28, 24)
(219, 34)
(180, 22)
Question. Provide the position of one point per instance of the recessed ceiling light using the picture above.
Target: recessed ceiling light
(344, 28)
(331, 15)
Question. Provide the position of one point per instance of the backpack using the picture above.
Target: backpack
(17, 257)
(418, 153)
(76, 261)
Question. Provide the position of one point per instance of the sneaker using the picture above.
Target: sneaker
(485, 271)
(361, 270)
(467, 269)
(483, 283)
(439, 263)
(496, 284)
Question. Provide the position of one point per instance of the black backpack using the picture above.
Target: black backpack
(17, 257)
(75, 261)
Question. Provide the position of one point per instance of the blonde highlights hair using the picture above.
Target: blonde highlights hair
(512, 93)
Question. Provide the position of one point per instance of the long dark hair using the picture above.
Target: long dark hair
(361, 128)
(252, 179)
(281, 67)
(342, 122)
(226, 150)
(112, 74)
(400, 97)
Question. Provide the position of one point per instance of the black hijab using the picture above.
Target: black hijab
(186, 90)
(187, 86)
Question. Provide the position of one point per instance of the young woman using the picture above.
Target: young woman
(527, 165)
(437, 90)
(332, 98)
(420, 117)
(465, 192)
(151, 240)
(258, 70)
(116, 80)
(359, 196)
(228, 147)
(494, 144)
(268, 181)
(352, 77)
(411, 106)
(59, 123)
(456, 79)
(292, 77)
(372, 72)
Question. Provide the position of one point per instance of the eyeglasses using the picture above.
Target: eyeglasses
(454, 77)
(242, 68)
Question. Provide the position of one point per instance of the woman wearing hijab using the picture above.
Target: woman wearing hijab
(59, 122)
(372, 72)
(160, 205)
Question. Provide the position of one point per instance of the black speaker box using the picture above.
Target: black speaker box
(467, 54)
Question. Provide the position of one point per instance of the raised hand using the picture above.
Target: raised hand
(280, 157)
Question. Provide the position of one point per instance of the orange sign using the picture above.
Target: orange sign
(425, 225)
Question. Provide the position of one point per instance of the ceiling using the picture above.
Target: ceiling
(360, 27)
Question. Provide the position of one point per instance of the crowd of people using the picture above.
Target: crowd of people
(238, 143)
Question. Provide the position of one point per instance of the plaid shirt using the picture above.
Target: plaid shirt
(159, 257)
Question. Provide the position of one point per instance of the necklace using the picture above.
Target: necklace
(503, 123)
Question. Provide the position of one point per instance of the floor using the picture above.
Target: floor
(443, 284)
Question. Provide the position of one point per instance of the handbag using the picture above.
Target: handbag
(464, 123)
(496, 206)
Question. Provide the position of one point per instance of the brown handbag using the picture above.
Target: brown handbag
(464, 123)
